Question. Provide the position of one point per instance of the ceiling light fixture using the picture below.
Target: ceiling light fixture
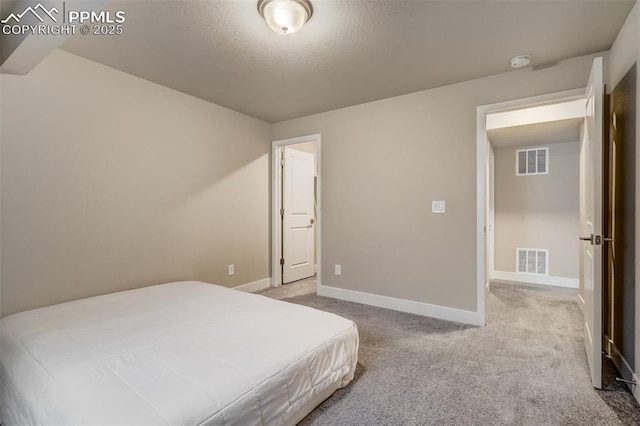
(285, 16)
(520, 61)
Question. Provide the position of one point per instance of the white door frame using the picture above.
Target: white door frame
(489, 215)
(492, 211)
(481, 175)
(276, 196)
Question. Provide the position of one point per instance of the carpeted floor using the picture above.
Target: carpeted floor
(526, 367)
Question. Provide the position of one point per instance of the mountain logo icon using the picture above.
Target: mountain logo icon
(34, 11)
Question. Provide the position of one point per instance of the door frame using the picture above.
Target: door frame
(276, 197)
(482, 142)
(490, 215)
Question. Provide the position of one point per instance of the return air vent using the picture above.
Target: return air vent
(532, 261)
(532, 161)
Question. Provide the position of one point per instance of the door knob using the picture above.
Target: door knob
(596, 240)
(312, 221)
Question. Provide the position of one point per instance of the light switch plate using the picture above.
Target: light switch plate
(437, 207)
(338, 270)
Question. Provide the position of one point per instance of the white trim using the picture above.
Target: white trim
(492, 213)
(536, 114)
(254, 286)
(276, 273)
(315, 268)
(403, 305)
(537, 279)
(481, 189)
(625, 369)
(481, 146)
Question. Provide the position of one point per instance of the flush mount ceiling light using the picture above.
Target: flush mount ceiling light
(285, 16)
(520, 61)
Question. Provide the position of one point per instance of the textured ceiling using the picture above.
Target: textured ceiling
(350, 52)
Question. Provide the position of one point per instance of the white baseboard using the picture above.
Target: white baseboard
(625, 370)
(403, 305)
(537, 279)
(255, 286)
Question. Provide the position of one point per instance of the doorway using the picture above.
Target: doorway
(534, 209)
(619, 224)
(296, 206)
(512, 116)
(591, 207)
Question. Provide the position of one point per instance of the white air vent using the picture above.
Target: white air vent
(532, 261)
(532, 161)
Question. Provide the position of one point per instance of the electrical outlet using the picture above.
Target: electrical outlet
(338, 270)
(437, 207)
(232, 270)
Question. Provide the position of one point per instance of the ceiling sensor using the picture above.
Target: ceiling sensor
(520, 61)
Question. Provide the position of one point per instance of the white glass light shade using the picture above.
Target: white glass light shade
(285, 16)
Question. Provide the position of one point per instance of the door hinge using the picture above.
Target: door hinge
(282, 212)
(282, 261)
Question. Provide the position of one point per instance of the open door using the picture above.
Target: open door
(591, 226)
(491, 212)
(488, 224)
(298, 216)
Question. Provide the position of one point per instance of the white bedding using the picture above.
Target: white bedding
(185, 353)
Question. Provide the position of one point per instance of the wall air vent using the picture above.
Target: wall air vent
(532, 161)
(532, 261)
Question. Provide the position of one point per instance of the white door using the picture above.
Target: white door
(591, 239)
(298, 218)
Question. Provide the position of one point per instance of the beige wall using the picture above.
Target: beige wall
(383, 164)
(110, 182)
(539, 211)
(624, 53)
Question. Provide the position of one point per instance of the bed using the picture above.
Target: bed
(183, 353)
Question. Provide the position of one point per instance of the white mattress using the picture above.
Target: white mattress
(185, 353)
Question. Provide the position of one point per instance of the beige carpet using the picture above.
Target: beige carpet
(526, 367)
(297, 288)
